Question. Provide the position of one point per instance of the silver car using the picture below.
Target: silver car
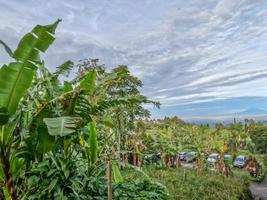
(240, 161)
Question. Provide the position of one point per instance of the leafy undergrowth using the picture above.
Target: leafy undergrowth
(185, 184)
(143, 189)
(138, 189)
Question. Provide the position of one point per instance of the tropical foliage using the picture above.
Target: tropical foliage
(56, 136)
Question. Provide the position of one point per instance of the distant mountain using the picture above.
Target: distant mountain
(252, 112)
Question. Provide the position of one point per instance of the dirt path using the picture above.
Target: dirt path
(259, 189)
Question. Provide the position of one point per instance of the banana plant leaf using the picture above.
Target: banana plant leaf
(67, 86)
(3, 116)
(16, 77)
(116, 173)
(93, 142)
(64, 69)
(46, 141)
(88, 82)
(62, 126)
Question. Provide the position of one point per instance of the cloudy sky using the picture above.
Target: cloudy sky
(197, 57)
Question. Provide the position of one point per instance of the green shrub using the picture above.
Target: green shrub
(128, 190)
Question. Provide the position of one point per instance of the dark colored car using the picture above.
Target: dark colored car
(240, 162)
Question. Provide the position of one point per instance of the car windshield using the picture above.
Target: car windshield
(190, 155)
(240, 159)
(214, 156)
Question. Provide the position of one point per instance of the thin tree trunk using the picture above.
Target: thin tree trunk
(126, 159)
(134, 159)
(199, 165)
(178, 162)
(119, 133)
(137, 161)
(109, 180)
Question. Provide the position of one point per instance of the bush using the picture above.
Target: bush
(128, 190)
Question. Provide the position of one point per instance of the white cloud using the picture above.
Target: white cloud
(184, 52)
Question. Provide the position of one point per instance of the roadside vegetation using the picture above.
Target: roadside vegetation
(186, 184)
(90, 137)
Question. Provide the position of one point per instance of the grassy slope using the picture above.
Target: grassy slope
(186, 185)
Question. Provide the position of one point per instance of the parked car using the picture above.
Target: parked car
(213, 158)
(240, 161)
(191, 156)
(182, 155)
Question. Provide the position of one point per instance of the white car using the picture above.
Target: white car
(213, 158)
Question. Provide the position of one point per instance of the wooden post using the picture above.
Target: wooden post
(109, 180)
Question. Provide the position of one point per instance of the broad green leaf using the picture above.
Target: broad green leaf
(88, 82)
(93, 142)
(67, 86)
(39, 39)
(45, 141)
(116, 173)
(62, 126)
(16, 77)
(7, 131)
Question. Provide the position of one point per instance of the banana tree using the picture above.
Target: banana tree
(15, 79)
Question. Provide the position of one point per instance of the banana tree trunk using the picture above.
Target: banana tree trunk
(8, 177)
